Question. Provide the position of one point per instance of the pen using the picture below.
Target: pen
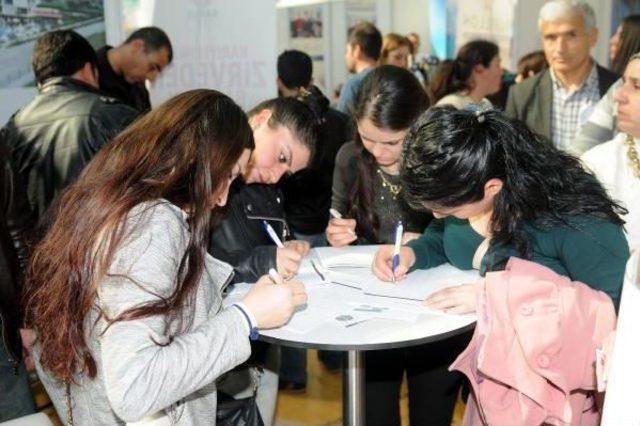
(272, 234)
(396, 251)
(275, 276)
(337, 215)
(315, 268)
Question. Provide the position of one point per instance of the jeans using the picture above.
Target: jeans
(15, 395)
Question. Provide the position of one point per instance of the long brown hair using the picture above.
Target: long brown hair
(629, 43)
(182, 151)
(392, 98)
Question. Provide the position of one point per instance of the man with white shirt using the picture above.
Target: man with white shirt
(616, 163)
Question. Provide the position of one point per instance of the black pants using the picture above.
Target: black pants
(432, 388)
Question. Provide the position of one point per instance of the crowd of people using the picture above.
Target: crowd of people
(123, 225)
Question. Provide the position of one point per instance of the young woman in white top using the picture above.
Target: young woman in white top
(616, 163)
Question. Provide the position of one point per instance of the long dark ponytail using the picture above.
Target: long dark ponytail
(450, 154)
(453, 76)
(392, 98)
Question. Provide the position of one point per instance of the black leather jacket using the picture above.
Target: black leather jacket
(240, 240)
(53, 137)
(16, 220)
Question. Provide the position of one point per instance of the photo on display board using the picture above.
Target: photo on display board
(306, 29)
(23, 21)
(306, 22)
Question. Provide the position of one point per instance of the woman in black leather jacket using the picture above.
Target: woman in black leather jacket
(285, 133)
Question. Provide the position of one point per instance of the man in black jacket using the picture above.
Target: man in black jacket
(123, 70)
(15, 221)
(53, 137)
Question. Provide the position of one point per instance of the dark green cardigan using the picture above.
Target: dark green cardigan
(586, 249)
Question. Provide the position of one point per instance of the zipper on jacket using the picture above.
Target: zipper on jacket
(285, 227)
(228, 281)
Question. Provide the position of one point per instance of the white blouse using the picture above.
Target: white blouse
(610, 164)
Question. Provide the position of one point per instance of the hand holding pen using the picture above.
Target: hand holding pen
(275, 276)
(272, 301)
(383, 262)
(395, 261)
(289, 254)
(340, 232)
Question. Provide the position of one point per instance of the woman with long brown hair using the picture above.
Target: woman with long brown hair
(624, 43)
(124, 299)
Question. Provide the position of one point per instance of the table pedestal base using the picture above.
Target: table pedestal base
(353, 398)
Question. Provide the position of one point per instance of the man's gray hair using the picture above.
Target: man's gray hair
(554, 10)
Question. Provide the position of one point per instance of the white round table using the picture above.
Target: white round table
(358, 335)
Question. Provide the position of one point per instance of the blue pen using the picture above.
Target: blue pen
(272, 234)
(395, 261)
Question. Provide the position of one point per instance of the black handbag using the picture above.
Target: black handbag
(237, 412)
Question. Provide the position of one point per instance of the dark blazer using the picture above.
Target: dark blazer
(531, 101)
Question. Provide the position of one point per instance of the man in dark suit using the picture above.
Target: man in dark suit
(556, 102)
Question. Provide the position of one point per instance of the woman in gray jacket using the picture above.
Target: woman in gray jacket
(124, 298)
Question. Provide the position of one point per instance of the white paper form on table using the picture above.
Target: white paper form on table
(418, 285)
(346, 257)
(311, 272)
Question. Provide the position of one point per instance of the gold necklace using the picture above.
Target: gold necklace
(632, 155)
(394, 189)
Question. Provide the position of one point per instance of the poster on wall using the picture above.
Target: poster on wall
(23, 21)
(306, 33)
(486, 19)
(211, 45)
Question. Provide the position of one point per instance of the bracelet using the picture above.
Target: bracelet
(254, 333)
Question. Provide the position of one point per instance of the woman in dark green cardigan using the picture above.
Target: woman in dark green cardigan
(497, 191)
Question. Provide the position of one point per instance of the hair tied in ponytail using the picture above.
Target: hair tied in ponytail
(479, 110)
(316, 101)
